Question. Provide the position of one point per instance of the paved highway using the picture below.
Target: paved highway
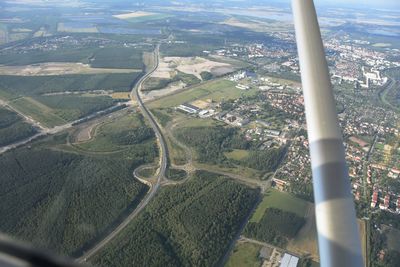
(42, 130)
(135, 94)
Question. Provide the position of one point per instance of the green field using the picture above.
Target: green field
(38, 111)
(173, 231)
(245, 254)
(215, 90)
(305, 241)
(280, 200)
(237, 154)
(13, 128)
(111, 136)
(197, 122)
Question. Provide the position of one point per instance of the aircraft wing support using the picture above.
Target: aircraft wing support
(338, 235)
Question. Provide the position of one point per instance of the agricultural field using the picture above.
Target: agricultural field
(245, 254)
(61, 198)
(172, 231)
(141, 16)
(13, 128)
(215, 90)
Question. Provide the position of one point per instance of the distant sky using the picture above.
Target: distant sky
(383, 4)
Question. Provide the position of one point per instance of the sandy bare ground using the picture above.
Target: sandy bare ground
(246, 25)
(85, 133)
(257, 25)
(190, 65)
(164, 70)
(57, 68)
(131, 15)
(173, 87)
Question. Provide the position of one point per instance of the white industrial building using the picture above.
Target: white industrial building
(289, 261)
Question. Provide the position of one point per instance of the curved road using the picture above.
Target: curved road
(135, 94)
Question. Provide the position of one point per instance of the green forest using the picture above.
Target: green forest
(62, 200)
(108, 57)
(70, 107)
(118, 57)
(211, 143)
(13, 128)
(63, 197)
(190, 224)
(275, 227)
(37, 85)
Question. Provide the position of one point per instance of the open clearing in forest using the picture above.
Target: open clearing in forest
(58, 68)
